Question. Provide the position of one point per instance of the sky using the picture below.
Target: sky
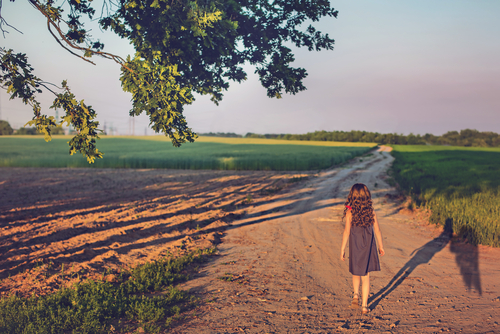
(397, 67)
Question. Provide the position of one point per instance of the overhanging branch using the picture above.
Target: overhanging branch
(61, 37)
(4, 22)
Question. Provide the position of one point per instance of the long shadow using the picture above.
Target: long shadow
(89, 196)
(67, 233)
(223, 200)
(422, 256)
(87, 204)
(100, 247)
(466, 259)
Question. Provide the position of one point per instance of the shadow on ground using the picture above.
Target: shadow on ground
(466, 257)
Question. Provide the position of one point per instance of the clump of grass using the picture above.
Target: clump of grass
(91, 306)
(226, 277)
(271, 190)
(298, 179)
(249, 199)
(459, 185)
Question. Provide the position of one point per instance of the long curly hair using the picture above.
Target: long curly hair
(360, 201)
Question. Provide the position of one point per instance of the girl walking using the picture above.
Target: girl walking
(361, 229)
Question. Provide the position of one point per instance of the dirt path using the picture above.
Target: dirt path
(279, 269)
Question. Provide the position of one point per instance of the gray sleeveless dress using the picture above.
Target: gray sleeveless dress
(363, 255)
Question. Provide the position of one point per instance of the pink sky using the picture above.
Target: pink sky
(398, 66)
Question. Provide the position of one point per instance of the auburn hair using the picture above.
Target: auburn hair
(360, 202)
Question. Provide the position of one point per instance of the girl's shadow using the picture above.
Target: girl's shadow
(466, 259)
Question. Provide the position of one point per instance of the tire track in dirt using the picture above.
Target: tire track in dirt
(279, 269)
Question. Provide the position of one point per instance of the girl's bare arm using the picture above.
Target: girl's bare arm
(345, 237)
(378, 235)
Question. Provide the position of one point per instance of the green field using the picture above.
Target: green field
(205, 153)
(460, 185)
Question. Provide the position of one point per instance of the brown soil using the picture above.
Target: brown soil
(60, 226)
(278, 269)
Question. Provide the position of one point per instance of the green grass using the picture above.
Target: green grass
(461, 186)
(94, 306)
(205, 153)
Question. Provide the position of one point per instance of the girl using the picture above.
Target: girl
(360, 227)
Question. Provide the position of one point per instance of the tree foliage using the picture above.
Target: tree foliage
(182, 47)
(5, 128)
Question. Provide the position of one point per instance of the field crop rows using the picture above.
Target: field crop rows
(205, 153)
(461, 186)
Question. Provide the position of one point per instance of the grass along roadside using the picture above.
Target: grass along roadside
(460, 185)
(144, 297)
(205, 153)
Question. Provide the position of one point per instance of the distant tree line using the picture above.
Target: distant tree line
(465, 137)
(221, 134)
(6, 130)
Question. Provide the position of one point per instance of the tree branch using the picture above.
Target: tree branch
(4, 22)
(49, 22)
(62, 38)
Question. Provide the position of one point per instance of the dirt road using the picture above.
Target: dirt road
(279, 269)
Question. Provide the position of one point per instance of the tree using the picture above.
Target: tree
(182, 47)
(27, 131)
(5, 128)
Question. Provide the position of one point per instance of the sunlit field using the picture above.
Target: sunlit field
(204, 153)
(460, 185)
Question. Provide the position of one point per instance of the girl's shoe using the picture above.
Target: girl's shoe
(355, 301)
(365, 310)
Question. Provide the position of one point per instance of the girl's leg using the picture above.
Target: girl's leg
(355, 284)
(355, 288)
(365, 290)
